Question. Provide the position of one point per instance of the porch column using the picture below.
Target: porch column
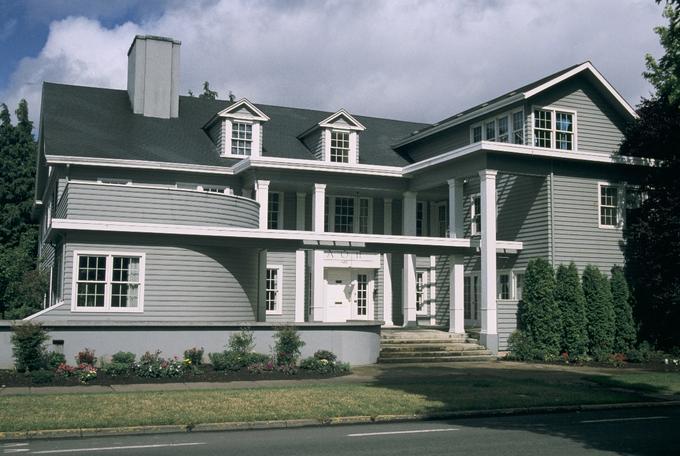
(409, 275)
(299, 286)
(318, 309)
(262, 197)
(387, 289)
(489, 332)
(300, 211)
(456, 268)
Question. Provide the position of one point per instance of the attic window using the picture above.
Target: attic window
(241, 138)
(340, 146)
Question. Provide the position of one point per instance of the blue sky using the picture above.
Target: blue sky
(406, 59)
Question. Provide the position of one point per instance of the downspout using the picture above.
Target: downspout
(551, 215)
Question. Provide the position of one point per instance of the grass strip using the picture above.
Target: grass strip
(648, 382)
(69, 411)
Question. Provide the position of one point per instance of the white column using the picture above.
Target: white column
(262, 197)
(489, 332)
(432, 279)
(409, 272)
(318, 283)
(387, 289)
(387, 216)
(299, 286)
(456, 268)
(300, 211)
(318, 207)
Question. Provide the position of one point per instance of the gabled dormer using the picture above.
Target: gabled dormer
(237, 130)
(335, 139)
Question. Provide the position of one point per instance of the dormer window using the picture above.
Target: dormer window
(241, 138)
(340, 146)
(237, 130)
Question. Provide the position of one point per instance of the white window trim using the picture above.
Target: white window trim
(353, 141)
(478, 308)
(553, 134)
(255, 145)
(426, 291)
(355, 223)
(513, 291)
(278, 310)
(505, 114)
(225, 189)
(499, 273)
(474, 229)
(281, 208)
(620, 210)
(107, 287)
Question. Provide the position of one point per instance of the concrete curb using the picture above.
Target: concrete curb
(344, 420)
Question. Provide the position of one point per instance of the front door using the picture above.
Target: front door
(339, 291)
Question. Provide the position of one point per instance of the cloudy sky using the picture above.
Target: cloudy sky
(403, 59)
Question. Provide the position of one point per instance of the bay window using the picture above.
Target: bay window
(108, 282)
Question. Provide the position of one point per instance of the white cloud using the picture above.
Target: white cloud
(399, 59)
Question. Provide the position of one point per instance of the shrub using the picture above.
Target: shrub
(540, 318)
(122, 357)
(194, 355)
(28, 346)
(325, 354)
(86, 357)
(599, 313)
(42, 376)
(253, 358)
(625, 334)
(152, 365)
(242, 341)
(86, 373)
(227, 360)
(64, 370)
(324, 362)
(644, 353)
(262, 367)
(570, 300)
(287, 345)
(115, 369)
(54, 360)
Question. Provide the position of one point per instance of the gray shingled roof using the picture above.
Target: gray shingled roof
(95, 122)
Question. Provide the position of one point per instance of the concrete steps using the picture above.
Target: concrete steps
(429, 346)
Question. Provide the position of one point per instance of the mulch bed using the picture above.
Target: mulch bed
(10, 378)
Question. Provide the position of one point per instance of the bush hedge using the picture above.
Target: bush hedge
(570, 299)
(28, 346)
(625, 333)
(600, 313)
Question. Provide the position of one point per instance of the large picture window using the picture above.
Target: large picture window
(108, 282)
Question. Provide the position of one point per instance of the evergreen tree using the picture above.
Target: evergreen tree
(570, 300)
(207, 93)
(538, 313)
(18, 235)
(599, 312)
(625, 335)
(652, 235)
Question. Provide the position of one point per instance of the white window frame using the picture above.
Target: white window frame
(109, 254)
(255, 144)
(476, 312)
(424, 217)
(425, 292)
(353, 145)
(508, 115)
(553, 127)
(498, 285)
(620, 205)
(278, 309)
(474, 228)
(442, 231)
(330, 214)
(279, 225)
(515, 275)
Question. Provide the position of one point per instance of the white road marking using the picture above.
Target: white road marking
(418, 431)
(131, 447)
(12, 445)
(638, 418)
(15, 450)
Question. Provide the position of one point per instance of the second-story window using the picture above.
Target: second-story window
(364, 215)
(554, 129)
(420, 218)
(340, 146)
(241, 138)
(518, 127)
(443, 219)
(274, 211)
(344, 215)
(609, 206)
(564, 130)
(490, 128)
(542, 128)
(477, 133)
(348, 214)
(503, 131)
(475, 215)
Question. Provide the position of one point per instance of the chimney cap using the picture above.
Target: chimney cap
(152, 37)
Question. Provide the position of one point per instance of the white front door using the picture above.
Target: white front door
(339, 291)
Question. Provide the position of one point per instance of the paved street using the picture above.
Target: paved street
(651, 431)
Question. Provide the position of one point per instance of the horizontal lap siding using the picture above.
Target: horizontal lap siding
(578, 237)
(442, 289)
(378, 311)
(183, 283)
(152, 205)
(507, 322)
(287, 261)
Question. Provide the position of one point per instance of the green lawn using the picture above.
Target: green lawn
(484, 389)
(650, 382)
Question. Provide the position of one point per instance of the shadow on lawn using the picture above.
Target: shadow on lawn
(472, 388)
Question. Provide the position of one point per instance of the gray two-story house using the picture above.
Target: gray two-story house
(175, 216)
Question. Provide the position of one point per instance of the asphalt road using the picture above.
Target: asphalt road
(652, 431)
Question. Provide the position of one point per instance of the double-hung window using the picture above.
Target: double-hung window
(490, 128)
(503, 130)
(344, 215)
(443, 219)
(609, 206)
(275, 211)
(347, 214)
(475, 214)
(503, 291)
(507, 127)
(108, 282)
(477, 133)
(518, 127)
(554, 129)
(241, 138)
(421, 292)
(339, 146)
(519, 285)
(273, 289)
(420, 218)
